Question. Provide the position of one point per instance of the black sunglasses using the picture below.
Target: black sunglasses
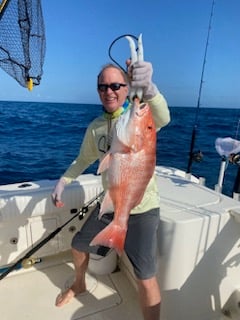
(113, 86)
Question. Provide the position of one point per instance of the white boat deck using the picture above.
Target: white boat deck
(30, 294)
(199, 250)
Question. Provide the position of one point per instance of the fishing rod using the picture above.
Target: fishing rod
(23, 261)
(3, 6)
(197, 156)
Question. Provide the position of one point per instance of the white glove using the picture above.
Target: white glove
(141, 77)
(57, 193)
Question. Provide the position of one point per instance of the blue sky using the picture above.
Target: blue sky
(79, 33)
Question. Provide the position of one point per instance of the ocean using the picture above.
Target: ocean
(39, 141)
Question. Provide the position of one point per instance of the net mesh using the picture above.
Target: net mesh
(22, 40)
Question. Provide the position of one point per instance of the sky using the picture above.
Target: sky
(79, 33)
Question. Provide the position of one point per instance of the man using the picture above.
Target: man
(113, 90)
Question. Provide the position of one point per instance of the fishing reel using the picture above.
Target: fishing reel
(197, 156)
(234, 158)
(228, 149)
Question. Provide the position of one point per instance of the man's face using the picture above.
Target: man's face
(110, 98)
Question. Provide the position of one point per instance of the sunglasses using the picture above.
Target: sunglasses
(113, 86)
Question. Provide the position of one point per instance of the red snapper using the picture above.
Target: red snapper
(130, 164)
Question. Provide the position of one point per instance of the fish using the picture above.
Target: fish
(130, 164)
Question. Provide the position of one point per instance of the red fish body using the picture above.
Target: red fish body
(130, 164)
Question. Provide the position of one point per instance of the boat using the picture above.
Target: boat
(198, 254)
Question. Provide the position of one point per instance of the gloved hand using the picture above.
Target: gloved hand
(57, 193)
(141, 77)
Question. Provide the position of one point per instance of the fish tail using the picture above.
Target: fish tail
(113, 236)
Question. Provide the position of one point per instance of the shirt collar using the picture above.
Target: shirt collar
(118, 112)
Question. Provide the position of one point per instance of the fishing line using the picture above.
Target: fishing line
(81, 213)
(111, 45)
(191, 152)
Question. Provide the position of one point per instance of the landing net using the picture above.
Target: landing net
(22, 40)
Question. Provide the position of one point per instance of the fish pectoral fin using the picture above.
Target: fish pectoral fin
(106, 206)
(104, 164)
(113, 236)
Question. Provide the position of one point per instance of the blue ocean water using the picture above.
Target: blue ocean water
(40, 140)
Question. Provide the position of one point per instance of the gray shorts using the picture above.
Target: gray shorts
(140, 244)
